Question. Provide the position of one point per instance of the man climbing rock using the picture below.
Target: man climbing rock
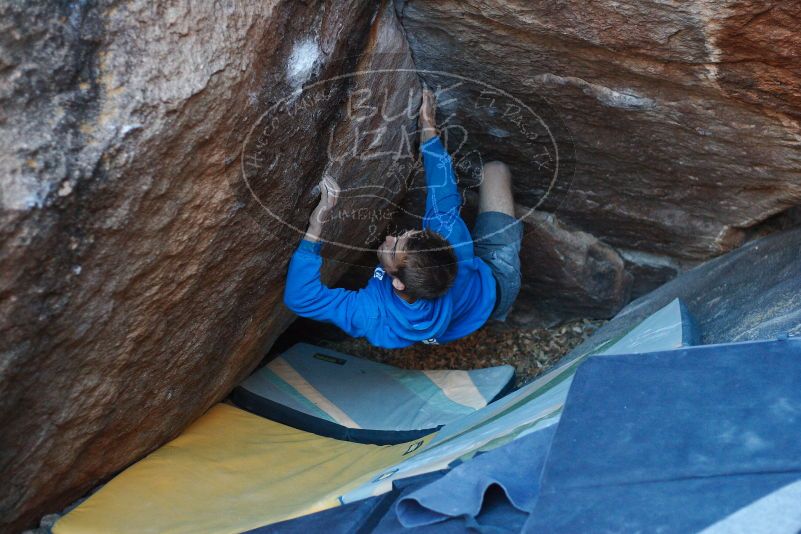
(434, 284)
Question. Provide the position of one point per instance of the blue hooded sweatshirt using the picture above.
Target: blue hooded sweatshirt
(376, 311)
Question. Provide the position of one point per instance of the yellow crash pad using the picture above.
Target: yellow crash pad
(231, 471)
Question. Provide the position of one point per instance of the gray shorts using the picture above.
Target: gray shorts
(496, 238)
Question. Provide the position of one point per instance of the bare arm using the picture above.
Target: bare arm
(329, 192)
(426, 120)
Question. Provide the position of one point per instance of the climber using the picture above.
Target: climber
(434, 284)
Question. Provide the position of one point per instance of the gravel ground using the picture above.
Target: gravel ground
(529, 350)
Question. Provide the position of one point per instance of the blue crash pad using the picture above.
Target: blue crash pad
(514, 469)
(673, 441)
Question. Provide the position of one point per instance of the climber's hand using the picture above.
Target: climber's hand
(329, 193)
(426, 119)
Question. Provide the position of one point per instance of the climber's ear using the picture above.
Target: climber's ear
(397, 284)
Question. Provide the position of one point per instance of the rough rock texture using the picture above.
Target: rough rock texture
(749, 294)
(140, 275)
(158, 161)
(678, 120)
(567, 274)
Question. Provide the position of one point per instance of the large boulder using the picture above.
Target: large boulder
(155, 178)
(567, 274)
(679, 122)
(159, 162)
(749, 294)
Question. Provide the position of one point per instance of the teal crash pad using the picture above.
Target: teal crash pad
(345, 397)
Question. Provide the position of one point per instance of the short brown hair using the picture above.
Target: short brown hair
(429, 267)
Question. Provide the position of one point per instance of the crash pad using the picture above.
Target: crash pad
(229, 472)
(345, 397)
(232, 470)
(533, 407)
(705, 430)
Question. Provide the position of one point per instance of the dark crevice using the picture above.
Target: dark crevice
(784, 220)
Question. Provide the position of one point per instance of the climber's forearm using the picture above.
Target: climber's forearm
(427, 133)
(329, 191)
(426, 118)
(313, 232)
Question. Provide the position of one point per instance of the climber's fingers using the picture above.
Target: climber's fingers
(329, 191)
(430, 98)
(332, 185)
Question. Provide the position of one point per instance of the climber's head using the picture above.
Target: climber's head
(421, 262)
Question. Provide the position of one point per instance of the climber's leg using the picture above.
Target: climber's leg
(498, 234)
(495, 193)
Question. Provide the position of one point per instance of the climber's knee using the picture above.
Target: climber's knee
(495, 193)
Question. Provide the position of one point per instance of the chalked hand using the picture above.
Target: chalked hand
(329, 193)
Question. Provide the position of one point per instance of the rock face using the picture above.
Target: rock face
(567, 274)
(674, 126)
(752, 293)
(152, 173)
(158, 163)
